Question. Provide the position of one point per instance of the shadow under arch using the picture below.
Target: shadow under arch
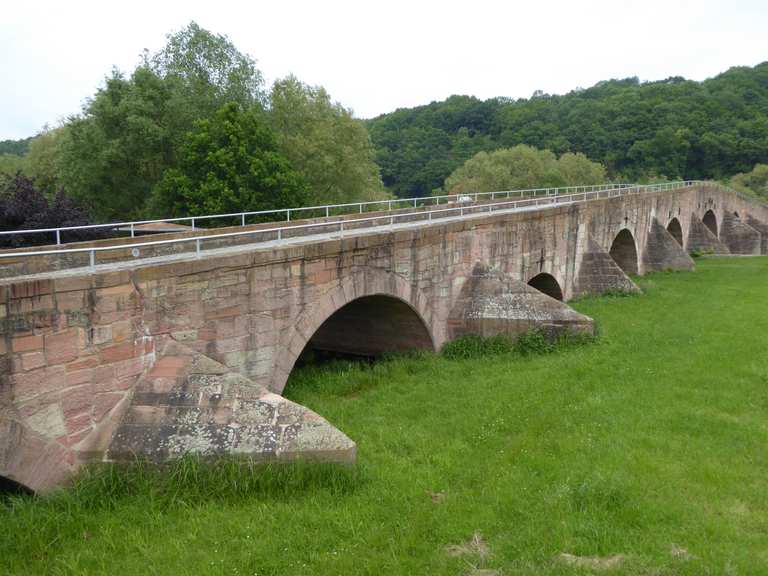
(366, 315)
(9, 487)
(675, 230)
(624, 252)
(710, 221)
(547, 284)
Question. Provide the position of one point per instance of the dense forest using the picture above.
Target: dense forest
(194, 129)
(674, 128)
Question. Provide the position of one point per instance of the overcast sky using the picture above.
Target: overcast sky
(374, 57)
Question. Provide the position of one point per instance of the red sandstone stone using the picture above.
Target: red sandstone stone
(78, 423)
(27, 343)
(79, 377)
(71, 283)
(117, 352)
(76, 401)
(63, 346)
(103, 403)
(82, 363)
(32, 360)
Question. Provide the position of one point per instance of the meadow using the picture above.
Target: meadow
(641, 452)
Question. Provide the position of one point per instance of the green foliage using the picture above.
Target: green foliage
(531, 342)
(321, 139)
(129, 134)
(675, 127)
(14, 147)
(754, 182)
(227, 164)
(208, 71)
(522, 167)
(43, 159)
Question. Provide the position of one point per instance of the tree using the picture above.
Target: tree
(128, 135)
(43, 159)
(210, 69)
(323, 142)
(24, 207)
(754, 182)
(522, 167)
(113, 155)
(229, 163)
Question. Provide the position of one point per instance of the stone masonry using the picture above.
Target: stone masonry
(191, 355)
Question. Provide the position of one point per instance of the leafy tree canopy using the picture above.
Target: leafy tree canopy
(522, 167)
(754, 182)
(229, 163)
(330, 148)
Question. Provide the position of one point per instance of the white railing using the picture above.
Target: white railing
(284, 232)
(325, 210)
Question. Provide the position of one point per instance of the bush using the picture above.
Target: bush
(24, 207)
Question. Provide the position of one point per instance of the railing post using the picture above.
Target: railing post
(193, 223)
(288, 215)
(361, 208)
(93, 259)
(58, 236)
(133, 234)
(327, 212)
(341, 229)
(414, 202)
(242, 219)
(279, 235)
(197, 247)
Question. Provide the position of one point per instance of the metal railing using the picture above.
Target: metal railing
(278, 233)
(324, 210)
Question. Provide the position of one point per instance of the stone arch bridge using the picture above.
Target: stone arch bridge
(189, 352)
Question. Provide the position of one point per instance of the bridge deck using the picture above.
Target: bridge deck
(474, 212)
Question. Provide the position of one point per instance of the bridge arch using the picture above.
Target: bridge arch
(369, 314)
(710, 221)
(624, 252)
(547, 284)
(675, 230)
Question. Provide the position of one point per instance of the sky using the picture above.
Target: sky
(375, 57)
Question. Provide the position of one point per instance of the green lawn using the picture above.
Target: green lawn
(651, 443)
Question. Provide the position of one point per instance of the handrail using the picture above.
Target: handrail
(327, 208)
(463, 209)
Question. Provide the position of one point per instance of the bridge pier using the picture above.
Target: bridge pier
(188, 403)
(663, 251)
(599, 273)
(491, 304)
(763, 229)
(739, 237)
(701, 238)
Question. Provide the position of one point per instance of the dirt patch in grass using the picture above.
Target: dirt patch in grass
(592, 562)
(475, 546)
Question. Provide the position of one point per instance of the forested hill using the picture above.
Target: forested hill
(18, 147)
(674, 128)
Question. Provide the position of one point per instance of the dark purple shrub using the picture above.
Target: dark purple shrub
(24, 207)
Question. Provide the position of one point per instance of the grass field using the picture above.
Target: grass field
(645, 452)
